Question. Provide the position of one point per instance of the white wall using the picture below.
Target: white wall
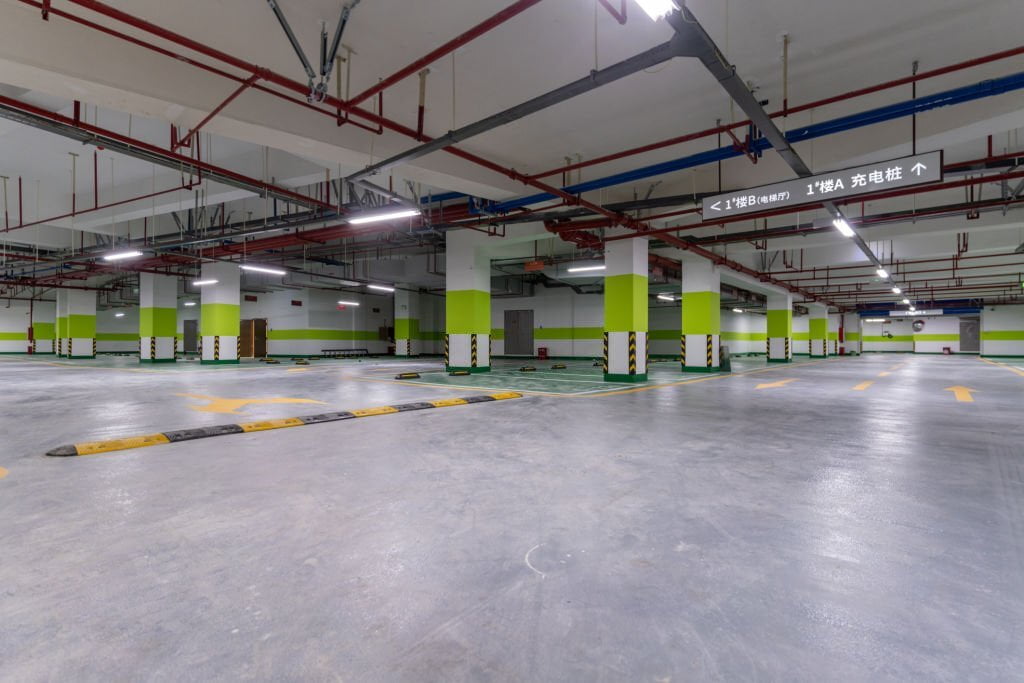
(108, 324)
(556, 311)
(744, 332)
(999, 322)
(431, 323)
(14, 323)
(901, 330)
(801, 330)
(947, 327)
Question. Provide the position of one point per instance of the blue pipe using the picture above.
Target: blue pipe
(967, 93)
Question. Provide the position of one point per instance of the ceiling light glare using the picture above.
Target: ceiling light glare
(843, 227)
(584, 269)
(874, 320)
(656, 9)
(122, 255)
(913, 310)
(263, 269)
(348, 303)
(119, 315)
(190, 303)
(897, 290)
(906, 301)
(203, 283)
(737, 310)
(882, 273)
(386, 216)
(381, 288)
(666, 297)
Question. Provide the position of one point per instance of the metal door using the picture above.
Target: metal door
(519, 333)
(245, 337)
(970, 335)
(191, 340)
(259, 337)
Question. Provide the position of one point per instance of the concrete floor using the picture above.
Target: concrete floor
(806, 530)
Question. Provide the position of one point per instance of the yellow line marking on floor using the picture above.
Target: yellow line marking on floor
(775, 385)
(897, 366)
(963, 394)
(884, 374)
(3, 472)
(298, 370)
(1003, 365)
(231, 405)
(864, 385)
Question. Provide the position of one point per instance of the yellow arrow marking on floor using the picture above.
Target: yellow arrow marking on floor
(774, 385)
(863, 385)
(231, 405)
(3, 473)
(963, 394)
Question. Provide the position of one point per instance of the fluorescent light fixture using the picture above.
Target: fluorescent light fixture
(584, 269)
(912, 309)
(897, 290)
(190, 303)
(262, 269)
(203, 283)
(656, 8)
(843, 227)
(874, 320)
(348, 303)
(381, 288)
(666, 297)
(882, 273)
(119, 315)
(348, 283)
(386, 216)
(737, 310)
(122, 255)
(906, 301)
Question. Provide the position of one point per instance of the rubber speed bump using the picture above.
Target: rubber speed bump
(459, 373)
(93, 447)
(558, 366)
(407, 375)
(527, 368)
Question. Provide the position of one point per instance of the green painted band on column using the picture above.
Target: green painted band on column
(158, 322)
(818, 328)
(219, 320)
(853, 336)
(467, 311)
(801, 336)
(625, 303)
(313, 335)
(117, 336)
(407, 328)
(81, 326)
(44, 330)
(61, 328)
(833, 336)
(13, 336)
(701, 313)
(780, 323)
(1002, 335)
(744, 336)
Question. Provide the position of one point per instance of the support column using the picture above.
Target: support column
(625, 311)
(61, 323)
(220, 313)
(702, 316)
(44, 333)
(817, 330)
(81, 323)
(467, 341)
(851, 333)
(407, 321)
(158, 317)
(780, 328)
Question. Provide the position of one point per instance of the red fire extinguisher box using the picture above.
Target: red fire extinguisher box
(542, 353)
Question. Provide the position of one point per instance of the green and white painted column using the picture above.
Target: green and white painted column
(44, 331)
(407, 320)
(817, 327)
(61, 323)
(625, 311)
(81, 323)
(780, 328)
(702, 316)
(158, 317)
(220, 313)
(467, 342)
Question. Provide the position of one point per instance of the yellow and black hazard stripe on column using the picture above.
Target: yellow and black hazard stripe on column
(682, 349)
(605, 352)
(152, 348)
(632, 353)
(710, 354)
(472, 350)
(647, 351)
(787, 348)
(446, 363)
(238, 347)
(94, 347)
(94, 447)
(216, 348)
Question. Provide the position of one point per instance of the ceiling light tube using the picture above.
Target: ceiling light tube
(882, 273)
(843, 227)
(122, 255)
(203, 283)
(348, 303)
(737, 310)
(386, 216)
(119, 315)
(381, 288)
(262, 269)
(190, 303)
(913, 309)
(897, 290)
(584, 269)
(874, 320)
(906, 301)
(666, 297)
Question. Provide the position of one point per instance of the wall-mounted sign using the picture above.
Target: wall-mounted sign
(914, 314)
(919, 169)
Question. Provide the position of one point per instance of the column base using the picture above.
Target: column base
(158, 360)
(698, 368)
(472, 370)
(817, 355)
(780, 360)
(79, 357)
(609, 377)
(231, 361)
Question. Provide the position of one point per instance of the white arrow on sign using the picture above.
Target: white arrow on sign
(918, 167)
(714, 207)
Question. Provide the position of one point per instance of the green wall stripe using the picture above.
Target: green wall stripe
(580, 333)
(853, 336)
(1002, 335)
(116, 336)
(311, 335)
(801, 336)
(467, 311)
(81, 326)
(158, 322)
(744, 336)
(936, 337)
(701, 313)
(833, 336)
(219, 320)
(625, 303)
(895, 338)
(13, 336)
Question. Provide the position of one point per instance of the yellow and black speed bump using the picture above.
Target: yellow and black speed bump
(459, 373)
(93, 447)
(409, 375)
(558, 366)
(302, 361)
(527, 368)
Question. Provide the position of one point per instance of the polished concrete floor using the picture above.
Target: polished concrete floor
(849, 519)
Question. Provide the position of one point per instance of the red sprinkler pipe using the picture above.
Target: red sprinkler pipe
(187, 140)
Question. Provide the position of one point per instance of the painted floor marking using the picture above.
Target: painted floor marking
(962, 394)
(775, 385)
(884, 374)
(231, 405)
(1007, 366)
(3, 473)
(864, 385)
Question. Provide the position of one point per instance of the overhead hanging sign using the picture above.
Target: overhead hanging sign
(919, 169)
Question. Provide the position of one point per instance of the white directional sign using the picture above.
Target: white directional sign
(920, 169)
